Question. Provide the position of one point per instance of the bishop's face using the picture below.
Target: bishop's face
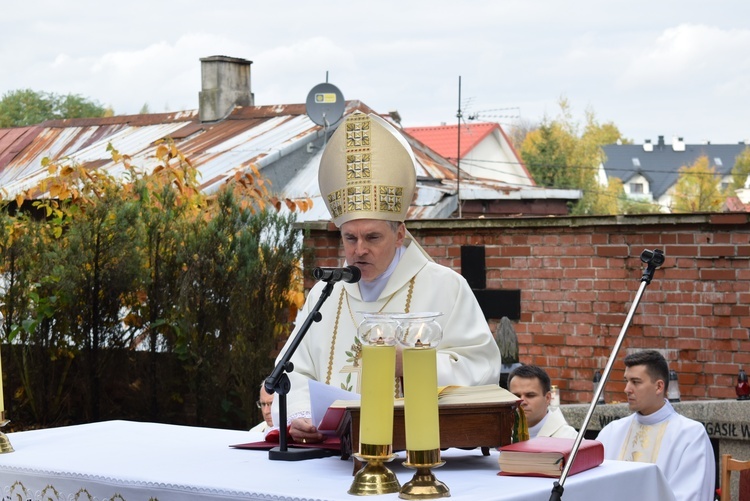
(370, 245)
(645, 395)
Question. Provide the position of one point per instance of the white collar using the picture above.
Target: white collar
(371, 290)
(656, 417)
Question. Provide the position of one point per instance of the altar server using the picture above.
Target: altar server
(655, 433)
(532, 385)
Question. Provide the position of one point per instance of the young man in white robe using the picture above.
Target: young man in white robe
(532, 385)
(367, 178)
(655, 433)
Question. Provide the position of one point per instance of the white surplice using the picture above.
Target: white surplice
(678, 445)
(553, 425)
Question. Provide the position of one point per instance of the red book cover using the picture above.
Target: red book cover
(272, 440)
(547, 457)
(333, 417)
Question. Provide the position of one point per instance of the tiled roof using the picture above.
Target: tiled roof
(444, 138)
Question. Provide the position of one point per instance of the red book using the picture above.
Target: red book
(547, 457)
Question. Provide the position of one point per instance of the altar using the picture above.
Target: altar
(128, 461)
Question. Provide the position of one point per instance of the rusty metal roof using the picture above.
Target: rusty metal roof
(258, 135)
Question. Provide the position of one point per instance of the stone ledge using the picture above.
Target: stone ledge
(723, 419)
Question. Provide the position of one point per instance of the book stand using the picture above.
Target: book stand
(464, 426)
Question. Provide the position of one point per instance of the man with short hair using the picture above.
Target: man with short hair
(367, 179)
(655, 433)
(532, 385)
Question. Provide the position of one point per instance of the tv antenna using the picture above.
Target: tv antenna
(496, 113)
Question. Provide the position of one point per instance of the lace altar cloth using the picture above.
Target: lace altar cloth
(129, 461)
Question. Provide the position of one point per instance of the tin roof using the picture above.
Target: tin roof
(277, 139)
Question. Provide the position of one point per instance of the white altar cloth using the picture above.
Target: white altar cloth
(129, 461)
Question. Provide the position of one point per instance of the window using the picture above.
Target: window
(636, 188)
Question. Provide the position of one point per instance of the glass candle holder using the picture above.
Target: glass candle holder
(377, 332)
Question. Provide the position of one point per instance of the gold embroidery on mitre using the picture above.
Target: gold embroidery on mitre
(357, 131)
(390, 198)
(358, 166)
(358, 198)
(335, 203)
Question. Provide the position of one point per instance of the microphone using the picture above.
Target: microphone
(349, 274)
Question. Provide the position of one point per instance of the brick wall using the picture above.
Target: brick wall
(579, 276)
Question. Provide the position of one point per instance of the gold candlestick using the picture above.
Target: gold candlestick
(424, 485)
(374, 477)
(4, 440)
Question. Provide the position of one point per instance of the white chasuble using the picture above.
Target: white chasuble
(330, 352)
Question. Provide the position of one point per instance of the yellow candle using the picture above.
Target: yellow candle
(421, 417)
(376, 411)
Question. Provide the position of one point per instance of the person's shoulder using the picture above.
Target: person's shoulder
(565, 431)
(617, 423)
(691, 425)
(438, 271)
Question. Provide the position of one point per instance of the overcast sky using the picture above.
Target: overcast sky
(664, 67)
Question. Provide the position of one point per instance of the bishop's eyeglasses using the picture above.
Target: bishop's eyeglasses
(260, 404)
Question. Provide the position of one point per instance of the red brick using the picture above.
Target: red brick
(717, 250)
(612, 250)
(739, 218)
(680, 250)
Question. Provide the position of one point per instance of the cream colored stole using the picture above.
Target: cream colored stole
(643, 442)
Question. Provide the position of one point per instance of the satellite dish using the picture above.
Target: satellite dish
(325, 104)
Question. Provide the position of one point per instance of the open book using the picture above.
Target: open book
(547, 456)
(447, 395)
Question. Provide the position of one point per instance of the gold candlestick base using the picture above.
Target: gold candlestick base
(4, 440)
(374, 478)
(424, 485)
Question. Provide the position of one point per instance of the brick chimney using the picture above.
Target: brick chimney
(225, 83)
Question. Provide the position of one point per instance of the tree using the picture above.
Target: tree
(559, 156)
(19, 108)
(741, 170)
(112, 266)
(698, 188)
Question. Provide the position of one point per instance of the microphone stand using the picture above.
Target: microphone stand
(278, 382)
(653, 260)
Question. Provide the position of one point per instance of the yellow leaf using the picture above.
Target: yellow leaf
(161, 151)
(19, 200)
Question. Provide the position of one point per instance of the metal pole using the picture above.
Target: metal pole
(654, 260)
(458, 151)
